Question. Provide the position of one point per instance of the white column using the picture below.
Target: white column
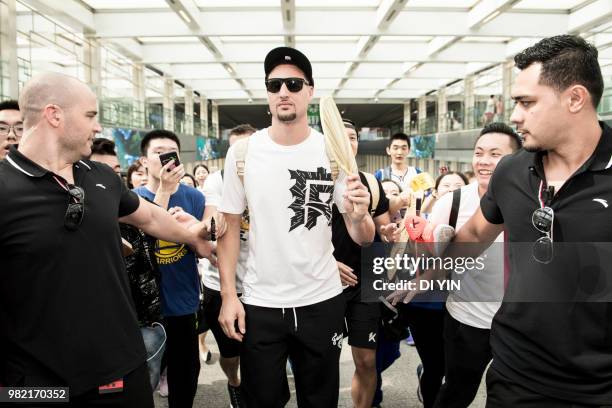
(9, 70)
(189, 111)
(469, 102)
(139, 95)
(215, 120)
(422, 113)
(204, 116)
(442, 110)
(168, 103)
(407, 118)
(507, 80)
(92, 66)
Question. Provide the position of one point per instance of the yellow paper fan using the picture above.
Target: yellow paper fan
(422, 182)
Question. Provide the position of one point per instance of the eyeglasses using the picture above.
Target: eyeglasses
(6, 129)
(274, 85)
(543, 219)
(76, 207)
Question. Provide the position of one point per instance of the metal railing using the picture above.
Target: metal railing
(121, 112)
(372, 162)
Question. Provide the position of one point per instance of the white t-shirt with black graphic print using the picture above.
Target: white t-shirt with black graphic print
(213, 189)
(290, 192)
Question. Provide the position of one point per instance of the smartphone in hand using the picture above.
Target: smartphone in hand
(166, 157)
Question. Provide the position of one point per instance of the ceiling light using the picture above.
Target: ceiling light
(491, 17)
(184, 16)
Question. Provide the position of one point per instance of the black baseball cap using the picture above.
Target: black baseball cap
(288, 55)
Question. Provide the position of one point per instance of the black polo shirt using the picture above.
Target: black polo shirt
(66, 315)
(345, 249)
(562, 349)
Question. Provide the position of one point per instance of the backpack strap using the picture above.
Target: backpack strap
(240, 151)
(374, 191)
(452, 219)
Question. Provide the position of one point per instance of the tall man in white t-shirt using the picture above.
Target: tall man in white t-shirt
(228, 348)
(470, 311)
(292, 295)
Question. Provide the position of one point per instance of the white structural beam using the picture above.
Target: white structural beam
(191, 16)
(590, 16)
(515, 46)
(469, 52)
(129, 48)
(364, 45)
(387, 11)
(440, 43)
(602, 41)
(194, 53)
(487, 10)
(288, 17)
(452, 23)
(73, 13)
(325, 23)
(187, 12)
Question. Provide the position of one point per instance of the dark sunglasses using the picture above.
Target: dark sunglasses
(76, 207)
(274, 85)
(543, 219)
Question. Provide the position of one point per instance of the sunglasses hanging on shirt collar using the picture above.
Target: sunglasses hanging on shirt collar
(76, 205)
(543, 219)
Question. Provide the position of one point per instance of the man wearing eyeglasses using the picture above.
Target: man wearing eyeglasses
(66, 314)
(292, 295)
(11, 126)
(551, 339)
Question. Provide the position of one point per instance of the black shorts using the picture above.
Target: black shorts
(228, 348)
(361, 319)
(311, 336)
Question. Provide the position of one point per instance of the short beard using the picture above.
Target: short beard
(289, 117)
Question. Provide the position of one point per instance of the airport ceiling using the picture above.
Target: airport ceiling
(361, 50)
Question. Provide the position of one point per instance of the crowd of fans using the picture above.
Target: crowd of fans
(266, 254)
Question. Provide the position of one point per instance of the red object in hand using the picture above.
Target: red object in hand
(415, 226)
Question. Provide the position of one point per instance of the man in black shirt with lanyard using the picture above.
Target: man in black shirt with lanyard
(66, 314)
(552, 353)
(361, 317)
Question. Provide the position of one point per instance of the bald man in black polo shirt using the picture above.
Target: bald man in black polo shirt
(66, 315)
(557, 352)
